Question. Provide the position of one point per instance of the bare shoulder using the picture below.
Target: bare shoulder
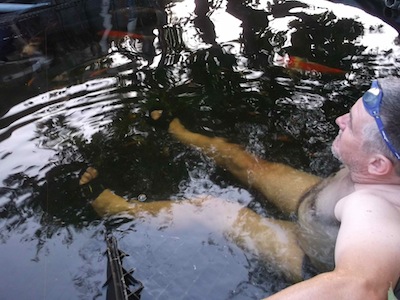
(374, 201)
(369, 218)
(369, 236)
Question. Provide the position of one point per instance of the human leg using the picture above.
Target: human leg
(274, 241)
(279, 183)
(108, 203)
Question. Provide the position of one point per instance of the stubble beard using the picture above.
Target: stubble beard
(334, 151)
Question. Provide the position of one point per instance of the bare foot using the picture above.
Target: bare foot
(156, 114)
(90, 174)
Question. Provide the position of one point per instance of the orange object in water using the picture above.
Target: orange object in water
(98, 72)
(120, 34)
(298, 63)
(302, 64)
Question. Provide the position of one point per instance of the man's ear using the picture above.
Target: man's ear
(380, 165)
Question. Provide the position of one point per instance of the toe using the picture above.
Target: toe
(90, 174)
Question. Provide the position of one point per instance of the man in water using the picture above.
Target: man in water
(347, 226)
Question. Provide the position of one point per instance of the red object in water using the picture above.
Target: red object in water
(295, 62)
(98, 72)
(120, 34)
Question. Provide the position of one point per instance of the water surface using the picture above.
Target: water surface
(75, 91)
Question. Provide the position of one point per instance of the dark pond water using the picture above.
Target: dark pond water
(77, 82)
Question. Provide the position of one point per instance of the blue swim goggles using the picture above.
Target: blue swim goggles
(372, 101)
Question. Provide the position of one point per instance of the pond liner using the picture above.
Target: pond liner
(121, 285)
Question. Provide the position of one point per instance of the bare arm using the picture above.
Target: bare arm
(367, 253)
(334, 285)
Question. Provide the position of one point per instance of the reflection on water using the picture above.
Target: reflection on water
(79, 90)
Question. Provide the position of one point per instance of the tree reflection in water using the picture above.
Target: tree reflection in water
(173, 60)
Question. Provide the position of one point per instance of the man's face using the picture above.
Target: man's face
(347, 146)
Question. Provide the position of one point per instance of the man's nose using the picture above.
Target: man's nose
(342, 121)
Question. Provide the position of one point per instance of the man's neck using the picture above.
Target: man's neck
(363, 178)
